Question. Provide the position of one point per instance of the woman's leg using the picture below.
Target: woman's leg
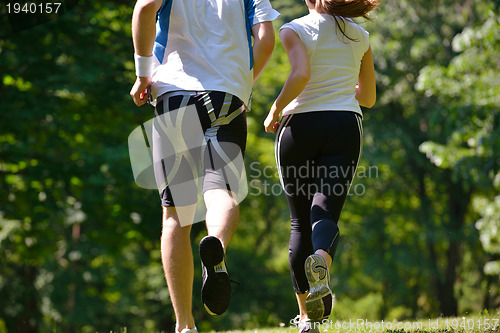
(292, 157)
(317, 154)
(336, 166)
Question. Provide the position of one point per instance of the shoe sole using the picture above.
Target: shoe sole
(216, 288)
(319, 301)
(309, 327)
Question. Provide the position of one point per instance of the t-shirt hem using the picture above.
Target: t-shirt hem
(289, 112)
(163, 90)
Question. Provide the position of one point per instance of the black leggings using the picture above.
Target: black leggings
(317, 154)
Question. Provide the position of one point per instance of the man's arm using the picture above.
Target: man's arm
(143, 36)
(263, 46)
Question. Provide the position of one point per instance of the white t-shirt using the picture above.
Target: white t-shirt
(206, 45)
(335, 61)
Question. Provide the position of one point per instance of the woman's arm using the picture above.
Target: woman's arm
(366, 93)
(297, 79)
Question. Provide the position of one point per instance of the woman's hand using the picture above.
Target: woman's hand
(271, 123)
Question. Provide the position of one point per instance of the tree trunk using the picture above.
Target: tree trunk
(27, 321)
(458, 203)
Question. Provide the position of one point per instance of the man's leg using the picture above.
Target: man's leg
(221, 219)
(177, 259)
(225, 143)
(222, 215)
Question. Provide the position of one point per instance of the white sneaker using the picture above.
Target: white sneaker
(305, 326)
(187, 330)
(319, 301)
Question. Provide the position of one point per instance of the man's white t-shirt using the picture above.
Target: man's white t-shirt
(206, 45)
(335, 62)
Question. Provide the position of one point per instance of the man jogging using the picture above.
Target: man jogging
(196, 57)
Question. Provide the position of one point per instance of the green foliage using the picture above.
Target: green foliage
(421, 112)
(488, 227)
(470, 86)
(367, 307)
(74, 235)
(80, 241)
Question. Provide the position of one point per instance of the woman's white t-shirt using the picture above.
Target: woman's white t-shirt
(335, 62)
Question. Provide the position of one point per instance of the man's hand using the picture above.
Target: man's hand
(139, 90)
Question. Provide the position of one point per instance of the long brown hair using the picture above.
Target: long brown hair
(340, 9)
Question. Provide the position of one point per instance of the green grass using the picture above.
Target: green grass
(484, 322)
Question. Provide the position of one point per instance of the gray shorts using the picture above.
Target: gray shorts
(199, 138)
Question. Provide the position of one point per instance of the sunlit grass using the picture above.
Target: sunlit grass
(484, 322)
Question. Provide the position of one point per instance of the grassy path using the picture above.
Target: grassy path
(485, 322)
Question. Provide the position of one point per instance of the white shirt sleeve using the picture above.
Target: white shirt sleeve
(365, 38)
(296, 28)
(264, 12)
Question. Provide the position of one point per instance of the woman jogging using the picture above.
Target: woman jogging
(319, 137)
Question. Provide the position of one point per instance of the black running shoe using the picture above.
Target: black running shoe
(216, 288)
(319, 301)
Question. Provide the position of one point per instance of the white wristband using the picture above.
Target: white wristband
(143, 65)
